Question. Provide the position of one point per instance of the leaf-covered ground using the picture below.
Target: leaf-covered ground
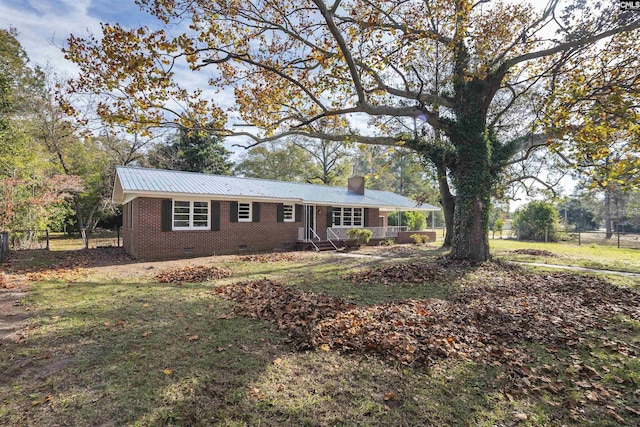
(494, 323)
(274, 257)
(99, 339)
(195, 274)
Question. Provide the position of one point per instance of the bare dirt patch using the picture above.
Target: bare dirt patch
(13, 314)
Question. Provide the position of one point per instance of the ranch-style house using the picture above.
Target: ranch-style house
(173, 214)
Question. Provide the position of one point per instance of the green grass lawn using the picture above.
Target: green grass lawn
(104, 347)
(590, 256)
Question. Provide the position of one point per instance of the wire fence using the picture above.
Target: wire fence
(17, 240)
(600, 238)
(578, 238)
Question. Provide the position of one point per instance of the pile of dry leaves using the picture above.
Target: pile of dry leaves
(488, 321)
(414, 272)
(535, 252)
(69, 274)
(3, 281)
(274, 257)
(291, 309)
(194, 274)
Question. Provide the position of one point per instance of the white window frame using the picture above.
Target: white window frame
(250, 211)
(192, 203)
(288, 213)
(351, 218)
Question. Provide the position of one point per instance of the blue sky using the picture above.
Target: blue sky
(44, 25)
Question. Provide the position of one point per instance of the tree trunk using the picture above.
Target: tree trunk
(470, 228)
(447, 201)
(81, 224)
(607, 213)
(473, 181)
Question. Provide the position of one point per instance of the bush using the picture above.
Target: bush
(387, 242)
(419, 238)
(534, 220)
(358, 236)
(498, 226)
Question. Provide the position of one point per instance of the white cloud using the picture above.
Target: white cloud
(44, 26)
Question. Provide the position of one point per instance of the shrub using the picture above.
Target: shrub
(498, 226)
(534, 220)
(358, 237)
(419, 238)
(387, 242)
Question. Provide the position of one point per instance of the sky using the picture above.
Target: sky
(44, 25)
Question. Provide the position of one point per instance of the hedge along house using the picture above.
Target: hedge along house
(172, 214)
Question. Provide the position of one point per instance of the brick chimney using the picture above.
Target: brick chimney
(356, 185)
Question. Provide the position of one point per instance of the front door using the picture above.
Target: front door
(309, 221)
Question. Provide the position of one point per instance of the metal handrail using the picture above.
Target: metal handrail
(314, 233)
(329, 230)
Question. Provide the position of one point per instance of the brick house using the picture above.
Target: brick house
(172, 214)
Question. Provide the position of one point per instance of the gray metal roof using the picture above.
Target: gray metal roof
(136, 181)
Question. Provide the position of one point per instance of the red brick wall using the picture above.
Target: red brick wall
(405, 236)
(147, 241)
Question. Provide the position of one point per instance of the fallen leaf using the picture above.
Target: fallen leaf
(521, 416)
(592, 396)
(167, 371)
(390, 395)
(615, 415)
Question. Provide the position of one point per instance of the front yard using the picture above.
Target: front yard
(402, 337)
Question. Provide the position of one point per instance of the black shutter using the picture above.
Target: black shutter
(366, 217)
(280, 213)
(215, 215)
(256, 212)
(298, 217)
(233, 208)
(329, 216)
(167, 206)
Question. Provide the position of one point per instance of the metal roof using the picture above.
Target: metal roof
(134, 182)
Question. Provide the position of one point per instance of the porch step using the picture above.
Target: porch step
(324, 245)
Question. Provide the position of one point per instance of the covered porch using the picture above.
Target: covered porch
(340, 233)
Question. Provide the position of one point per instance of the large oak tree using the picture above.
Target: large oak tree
(294, 63)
